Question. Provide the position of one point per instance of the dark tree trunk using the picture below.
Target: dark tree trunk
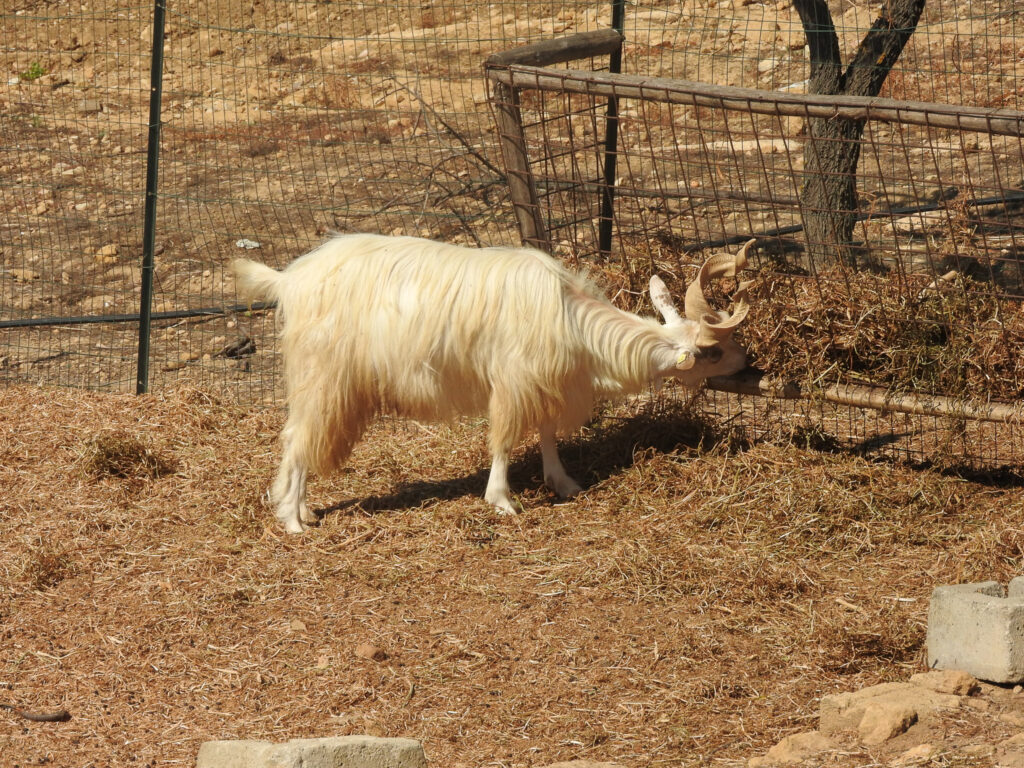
(828, 194)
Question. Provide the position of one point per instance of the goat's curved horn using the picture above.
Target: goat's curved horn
(717, 265)
(717, 325)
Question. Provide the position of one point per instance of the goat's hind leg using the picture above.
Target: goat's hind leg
(288, 493)
(555, 476)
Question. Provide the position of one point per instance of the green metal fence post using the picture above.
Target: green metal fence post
(611, 137)
(149, 223)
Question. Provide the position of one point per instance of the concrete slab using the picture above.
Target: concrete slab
(336, 752)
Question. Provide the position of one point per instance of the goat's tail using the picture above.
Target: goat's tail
(255, 281)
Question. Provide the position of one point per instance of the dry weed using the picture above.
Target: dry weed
(123, 456)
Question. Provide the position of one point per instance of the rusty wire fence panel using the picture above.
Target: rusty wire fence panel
(920, 319)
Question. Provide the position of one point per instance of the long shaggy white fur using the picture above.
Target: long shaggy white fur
(426, 330)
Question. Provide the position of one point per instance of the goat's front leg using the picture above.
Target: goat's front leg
(555, 476)
(503, 438)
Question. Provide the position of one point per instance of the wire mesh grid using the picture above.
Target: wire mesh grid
(72, 169)
(919, 312)
(283, 120)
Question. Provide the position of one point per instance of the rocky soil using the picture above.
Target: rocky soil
(941, 717)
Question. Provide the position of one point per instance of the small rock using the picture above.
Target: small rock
(979, 750)
(1014, 742)
(364, 750)
(919, 222)
(885, 720)
(246, 243)
(297, 625)
(794, 749)
(845, 711)
(767, 65)
(371, 652)
(954, 681)
(793, 126)
(90, 106)
(107, 254)
(920, 754)
(1013, 718)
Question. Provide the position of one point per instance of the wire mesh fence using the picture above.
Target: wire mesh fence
(917, 313)
(282, 120)
(72, 172)
(279, 122)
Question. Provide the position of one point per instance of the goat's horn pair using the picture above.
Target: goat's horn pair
(716, 326)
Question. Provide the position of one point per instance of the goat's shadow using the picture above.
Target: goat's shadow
(597, 454)
(611, 444)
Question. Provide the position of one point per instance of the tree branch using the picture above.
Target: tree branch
(881, 47)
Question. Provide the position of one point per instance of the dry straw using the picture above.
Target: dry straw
(903, 333)
(690, 607)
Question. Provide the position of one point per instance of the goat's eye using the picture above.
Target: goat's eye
(711, 354)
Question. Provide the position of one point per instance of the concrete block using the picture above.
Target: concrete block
(978, 628)
(337, 752)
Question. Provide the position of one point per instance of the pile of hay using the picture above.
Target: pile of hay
(951, 337)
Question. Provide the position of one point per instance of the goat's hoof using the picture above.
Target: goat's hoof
(291, 523)
(308, 517)
(503, 504)
(564, 489)
(506, 508)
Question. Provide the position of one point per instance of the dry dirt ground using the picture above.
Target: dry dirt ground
(691, 607)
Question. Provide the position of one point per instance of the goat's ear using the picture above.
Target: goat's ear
(662, 301)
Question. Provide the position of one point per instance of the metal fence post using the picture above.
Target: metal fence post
(149, 223)
(611, 137)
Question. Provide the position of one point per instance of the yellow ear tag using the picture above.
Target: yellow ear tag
(685, 360)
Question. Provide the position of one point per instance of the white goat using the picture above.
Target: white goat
(426, 330)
